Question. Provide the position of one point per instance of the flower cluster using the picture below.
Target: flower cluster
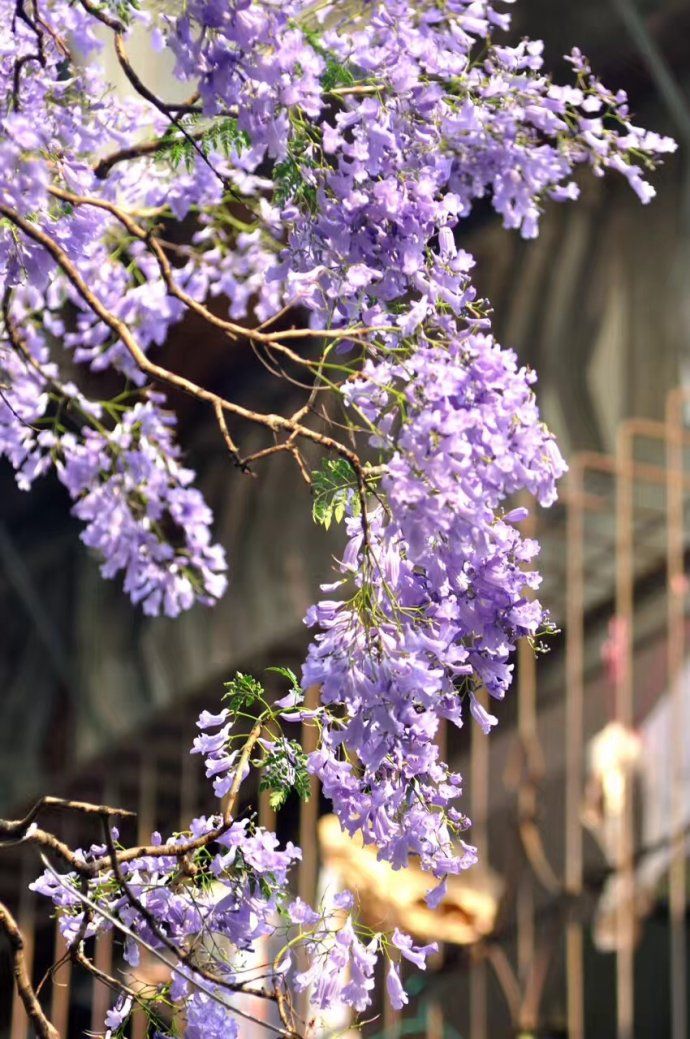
(141, 514)
(118, 459)
(252, 59)
(220, 889)
(325, 161)
(356, 143)
(342, 965)
(413, 130)
(443, 602)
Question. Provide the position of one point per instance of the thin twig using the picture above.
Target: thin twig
(180, 382)
(229, 442)
(184, 956)
(129, 933)
(44, 839)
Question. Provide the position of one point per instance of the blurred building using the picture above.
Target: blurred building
(575, 923)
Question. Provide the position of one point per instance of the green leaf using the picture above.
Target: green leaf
(288, 673)
(334, 488)
(242, 691)
(336, 75)
(289, 181)
(277, 799)
(124, 9)
(222, 134)
(225, 136)
(283, 770)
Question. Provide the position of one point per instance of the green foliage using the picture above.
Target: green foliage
(312, 37)
(334, 488)
(225, 136)
(336, 74)
(122, 9)
(290, 184)
(126, 9)
(221, 135)
(283, 770)
(289, 180)
(289, 674)
(287, 177)
(242, 691)
(204, 878)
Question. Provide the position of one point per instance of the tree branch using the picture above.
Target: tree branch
(135, 151)
(18, 827)
(44, 1028)
(271, 421)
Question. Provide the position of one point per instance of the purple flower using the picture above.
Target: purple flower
(416, 954)
(301, 913)
(437, 894)
(396, 993)
(118, 1014)
(211, 721)
(208, 1017)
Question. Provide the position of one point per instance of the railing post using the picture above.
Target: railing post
(574, 745)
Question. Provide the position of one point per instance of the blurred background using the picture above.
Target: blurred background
(575, 922)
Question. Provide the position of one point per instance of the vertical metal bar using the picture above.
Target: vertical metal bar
(146, 818)
(532, 768)
(61, 984)
(674, 437)
(307, 877)
(624, 706)
(391, 1018)
(391, 1021)
(479, 774)
(103, 951)
(189, 788)
(146, 812)
(309, 812)
(675, 545)
(478, 999)
(267, 815)
(19, 1026)
(100, 1000)
(61, 979)
(435, 1027)
(436, 961)
(574, 665)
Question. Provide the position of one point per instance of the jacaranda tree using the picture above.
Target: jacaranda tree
(306, 201)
